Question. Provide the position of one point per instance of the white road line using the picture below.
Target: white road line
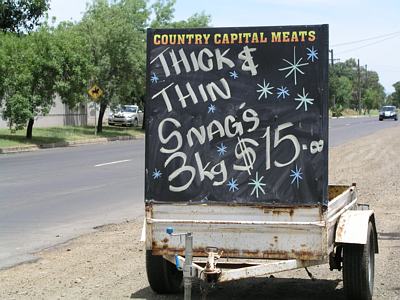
(113, 163)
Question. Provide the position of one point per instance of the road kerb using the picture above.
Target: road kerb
(29, 148)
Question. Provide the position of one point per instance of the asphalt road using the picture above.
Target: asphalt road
(344, 130)
(50, 196)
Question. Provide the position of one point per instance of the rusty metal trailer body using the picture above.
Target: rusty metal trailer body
(258, 240)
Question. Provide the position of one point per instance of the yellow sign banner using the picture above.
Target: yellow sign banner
(95, 92)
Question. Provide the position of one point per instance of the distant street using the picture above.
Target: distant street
(50, 196)
(344, 130)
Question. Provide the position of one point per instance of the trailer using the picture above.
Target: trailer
(237, 161)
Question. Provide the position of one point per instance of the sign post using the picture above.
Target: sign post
(95, 93)
(95, 118)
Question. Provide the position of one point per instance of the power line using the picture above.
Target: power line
(367, 39)
(367, 45)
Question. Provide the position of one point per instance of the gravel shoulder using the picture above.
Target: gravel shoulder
(109, 263)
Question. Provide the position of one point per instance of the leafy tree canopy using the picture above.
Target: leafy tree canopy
(21, 15)
(395, 96)
(349, 87)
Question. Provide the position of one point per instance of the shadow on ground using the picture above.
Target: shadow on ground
(392, 236)
(35, 140)
(260, 288)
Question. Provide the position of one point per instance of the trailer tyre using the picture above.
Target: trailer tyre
(163, 276)
(359, 267)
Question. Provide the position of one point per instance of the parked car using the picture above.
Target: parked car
(126, 115)
(388, 112)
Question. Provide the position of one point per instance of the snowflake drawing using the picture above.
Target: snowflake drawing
(283, 92)
(221, 149)
(212, 108)
(258, 185)
(264, 90)
(157, 174)
(296, 174)
(234, 75)
(312, 54)
(294, 66)
(233, 186)
(304, 100)
(154, 78)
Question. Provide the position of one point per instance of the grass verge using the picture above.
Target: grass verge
(61, 134)
(351, 113)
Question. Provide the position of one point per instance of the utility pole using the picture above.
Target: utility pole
(359, 86)
(366, 83)
(333, 96)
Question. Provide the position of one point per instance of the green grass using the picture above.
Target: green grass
(61, 134)
(350, 112)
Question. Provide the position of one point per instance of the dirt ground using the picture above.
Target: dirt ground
(109, 263)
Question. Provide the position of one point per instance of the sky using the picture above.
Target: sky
(374, 22)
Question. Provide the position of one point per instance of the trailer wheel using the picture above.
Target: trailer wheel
(359, 268)
(163, 276)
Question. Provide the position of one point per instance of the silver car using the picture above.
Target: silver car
(388, 112)
(127, 115)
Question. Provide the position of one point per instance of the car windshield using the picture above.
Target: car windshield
(388, 108)
(129, 109)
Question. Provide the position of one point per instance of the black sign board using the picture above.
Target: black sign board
(237, 115)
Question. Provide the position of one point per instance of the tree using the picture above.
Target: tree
(115, 33)
(28, 89)
(371, 99)
(40, 65)
(21, 15)
(4, 66)
(344, 87)
(164, 10)
(74, 64)
(340, 89)
(14, 74)
(395, 96)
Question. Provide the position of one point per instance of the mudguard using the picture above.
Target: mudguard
(352, 227)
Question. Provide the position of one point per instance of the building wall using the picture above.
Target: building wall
(91, 113)
(61, 115)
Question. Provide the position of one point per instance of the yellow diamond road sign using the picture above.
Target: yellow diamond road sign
(95, 92)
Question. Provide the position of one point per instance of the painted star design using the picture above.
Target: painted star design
(221, 149)
(264, 90)
(233, 186)
(283, 92)
(296, 174)
(212, 108)
(154, 78)
(157, 174)
(234, 75)
(294, 66)
(304, 100)
(258, 185)
(312, 54)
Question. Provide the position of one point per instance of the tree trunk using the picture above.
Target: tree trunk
(103, 107)
(29, 128)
